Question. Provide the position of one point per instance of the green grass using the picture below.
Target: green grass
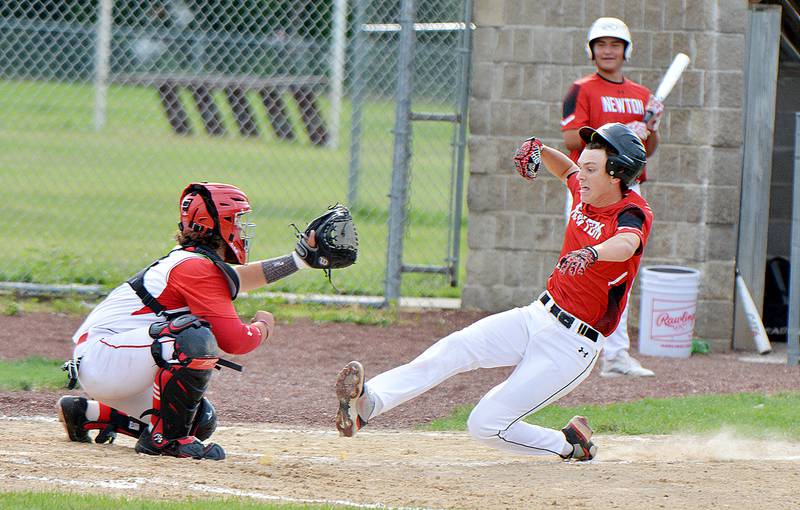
(288, 312)
(12, 306)
(749, 414)
(31, 373)
(95, 207)
(245, 306)
(77, 501)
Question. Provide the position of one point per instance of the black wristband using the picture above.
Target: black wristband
(277, 268)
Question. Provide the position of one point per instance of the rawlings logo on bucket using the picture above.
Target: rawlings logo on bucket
(679, 322)
(672, 321)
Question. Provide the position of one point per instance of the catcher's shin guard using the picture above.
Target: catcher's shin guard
(178, 391)
(205, 421)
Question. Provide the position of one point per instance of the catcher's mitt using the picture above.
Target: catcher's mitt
(337, 240)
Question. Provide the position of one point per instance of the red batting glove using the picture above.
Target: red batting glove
(657, 108)
(528, 158)
(576, 262)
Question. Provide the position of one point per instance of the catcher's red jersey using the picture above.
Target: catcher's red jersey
(183, 281)
(598, 297)
(593, 101)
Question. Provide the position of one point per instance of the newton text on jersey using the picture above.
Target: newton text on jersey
(622, 105)
(592, 227)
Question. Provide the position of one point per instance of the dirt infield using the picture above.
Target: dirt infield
(276, 425)
(411, 469)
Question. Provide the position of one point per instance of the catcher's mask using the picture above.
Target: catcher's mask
(221, 209)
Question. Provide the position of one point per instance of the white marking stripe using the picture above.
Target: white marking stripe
(567, 120)
(623, 275)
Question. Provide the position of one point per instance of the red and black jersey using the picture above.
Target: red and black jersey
(593, 101)
(598, 297)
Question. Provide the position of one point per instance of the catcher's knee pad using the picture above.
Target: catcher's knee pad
(205, 421)
(181, 382)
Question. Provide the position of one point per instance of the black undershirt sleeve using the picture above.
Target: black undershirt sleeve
(570, 100)
(633, 218)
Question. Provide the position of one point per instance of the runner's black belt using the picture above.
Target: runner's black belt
(568, 320)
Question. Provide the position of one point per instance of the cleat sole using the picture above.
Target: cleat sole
(349, 385)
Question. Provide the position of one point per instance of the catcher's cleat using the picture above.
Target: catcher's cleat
(579, 435)
(349, 387)
(72, 415)
(185, 447)
(106, 435)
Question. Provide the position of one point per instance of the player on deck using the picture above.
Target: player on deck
(148, 348)
(554, 342)
(596, 99)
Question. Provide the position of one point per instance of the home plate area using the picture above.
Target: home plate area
(409, 469)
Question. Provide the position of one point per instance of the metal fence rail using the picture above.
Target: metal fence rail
(110, 107)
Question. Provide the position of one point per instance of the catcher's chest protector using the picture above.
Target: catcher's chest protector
(137, 281)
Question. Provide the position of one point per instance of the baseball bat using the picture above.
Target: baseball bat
(669, 80)
(753, 319)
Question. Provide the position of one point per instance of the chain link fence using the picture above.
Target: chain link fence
(110, 107)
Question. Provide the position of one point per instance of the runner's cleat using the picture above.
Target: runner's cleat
(579, 435)
(349, 387)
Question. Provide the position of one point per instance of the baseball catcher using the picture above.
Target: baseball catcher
(145, 355)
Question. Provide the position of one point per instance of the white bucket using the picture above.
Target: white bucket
(666, 317)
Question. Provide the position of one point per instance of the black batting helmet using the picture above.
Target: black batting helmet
(628, 158)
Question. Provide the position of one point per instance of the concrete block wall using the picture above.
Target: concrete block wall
(526, 54)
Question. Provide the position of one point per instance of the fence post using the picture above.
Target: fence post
(102, 56)
(357, 86)
(465, 52)
(793, 328)
(337, 70)
(401, 154)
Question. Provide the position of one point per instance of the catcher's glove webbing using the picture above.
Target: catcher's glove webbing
(337, 240)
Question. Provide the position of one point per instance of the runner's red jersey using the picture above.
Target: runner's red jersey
(593, 101)
(598, 297)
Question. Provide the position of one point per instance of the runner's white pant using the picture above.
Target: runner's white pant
(119, 371)
(550, 362)
(618, 340)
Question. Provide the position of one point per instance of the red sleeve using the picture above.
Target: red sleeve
(206, 292)
(574, 187)
(575, 111)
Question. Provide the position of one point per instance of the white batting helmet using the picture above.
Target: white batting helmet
(609, 27)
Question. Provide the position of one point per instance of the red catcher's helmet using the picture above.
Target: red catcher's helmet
(214, 208)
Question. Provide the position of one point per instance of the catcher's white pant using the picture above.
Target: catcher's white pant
(618, 340)
(550, 361)
(118, 370)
